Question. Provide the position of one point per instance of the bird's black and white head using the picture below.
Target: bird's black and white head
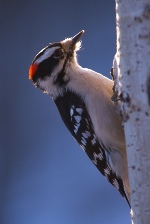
(51, 67)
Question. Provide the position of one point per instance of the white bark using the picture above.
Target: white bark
(133, 86)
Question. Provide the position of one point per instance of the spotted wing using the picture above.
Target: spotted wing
(75, 116)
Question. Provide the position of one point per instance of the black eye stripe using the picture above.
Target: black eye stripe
(45, 68)
(58, 53)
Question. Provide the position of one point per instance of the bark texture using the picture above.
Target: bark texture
(132, 87)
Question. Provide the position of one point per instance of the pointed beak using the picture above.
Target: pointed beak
(76, 38)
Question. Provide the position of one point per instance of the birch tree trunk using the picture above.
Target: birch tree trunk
(132, 63)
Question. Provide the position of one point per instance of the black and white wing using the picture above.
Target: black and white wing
(75, 116)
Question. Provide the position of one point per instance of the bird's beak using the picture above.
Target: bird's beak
(76, 38)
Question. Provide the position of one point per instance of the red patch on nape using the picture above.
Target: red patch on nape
(32, 70)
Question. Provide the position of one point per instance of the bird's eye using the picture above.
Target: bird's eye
(58, 54)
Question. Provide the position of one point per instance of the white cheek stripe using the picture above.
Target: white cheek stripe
(48, 53)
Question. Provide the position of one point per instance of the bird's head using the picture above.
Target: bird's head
(48, 70)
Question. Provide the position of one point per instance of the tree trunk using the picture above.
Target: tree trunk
(132, 84)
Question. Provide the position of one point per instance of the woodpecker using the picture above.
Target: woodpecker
(83, 99)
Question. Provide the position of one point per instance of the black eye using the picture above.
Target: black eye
(58, 54)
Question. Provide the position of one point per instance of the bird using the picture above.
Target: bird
(83, 98)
